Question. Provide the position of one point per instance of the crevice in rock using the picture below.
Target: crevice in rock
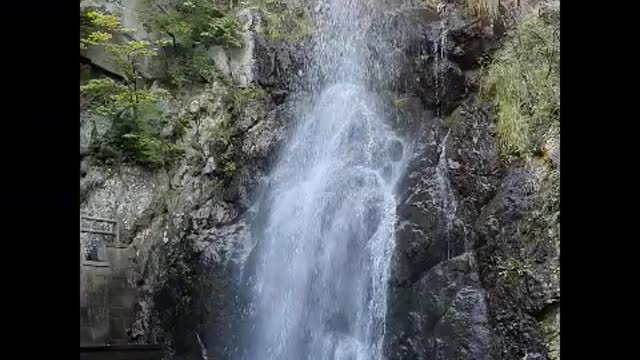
(99, 69)
(547, 310)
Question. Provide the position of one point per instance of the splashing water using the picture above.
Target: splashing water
(324, 249)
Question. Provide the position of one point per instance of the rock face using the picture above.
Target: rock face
(128, 12)
(438, 302)
(187, 224)
(437, 51)
(280, 65)
(239, 64)
(476, 268)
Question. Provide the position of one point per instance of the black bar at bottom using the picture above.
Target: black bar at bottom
(120, 348)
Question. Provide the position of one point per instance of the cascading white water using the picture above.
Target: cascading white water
(322, 262)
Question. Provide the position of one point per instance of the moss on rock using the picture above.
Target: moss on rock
(524, 82)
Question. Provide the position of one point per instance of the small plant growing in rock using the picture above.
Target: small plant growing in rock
(224, 131)
(509, 267)
(229, 168)
(423, 59)
(455, 118)
(400, 103)
(241, 97)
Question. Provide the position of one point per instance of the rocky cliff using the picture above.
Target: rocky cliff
(476, 267)
(477, 259)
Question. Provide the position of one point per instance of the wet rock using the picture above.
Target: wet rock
(443, 315)
(470, 38)
(427, 232)
(474, 162)
(464, 331)
(395, 150)
(212, 214)
(502, 309)
(279, 64)
(518, 249)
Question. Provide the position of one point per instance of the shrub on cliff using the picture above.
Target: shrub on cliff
(138, 121)
(285, 20)
(193, 26)
(524, 82)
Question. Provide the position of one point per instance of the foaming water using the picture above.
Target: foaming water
(324, 248)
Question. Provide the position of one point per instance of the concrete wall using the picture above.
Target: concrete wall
(94, 309)
(122, 297)
(106, 298)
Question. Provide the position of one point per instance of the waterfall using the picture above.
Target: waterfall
(324, 246)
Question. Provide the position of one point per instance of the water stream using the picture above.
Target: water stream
(322, 262)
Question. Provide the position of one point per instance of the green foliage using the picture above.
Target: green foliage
(236, 100)
(192, 23)
(542, 223)
(482, 8)
(105, 31)
(524, 81)
(193, 26)
(492, 9)
(284, 20)
(423, 59)
(454, 119)
(111, 99)
(104, 21)
(186, 66)
(224, 31)
(229, 168)
(400, 103)
(431, 3)
(510, 267)
(97, 28)
(224, 131)
(137, 134)
(241, 97)
(138, 122)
